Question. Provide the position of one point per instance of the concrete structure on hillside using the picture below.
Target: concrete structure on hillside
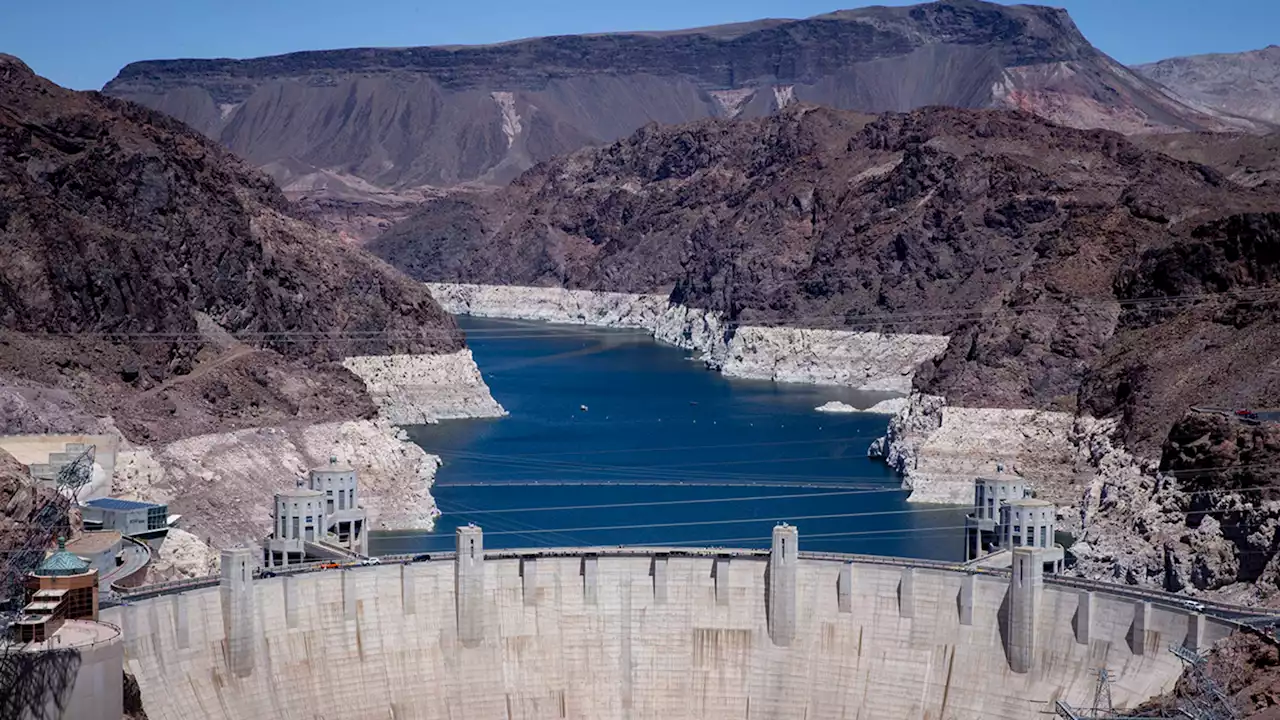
(1031, 523)
(129, 517)
(989, 495)
(629, 633)
(48, 471)
(299, 519)
(346, 518)
(312, 521)
(45, 455)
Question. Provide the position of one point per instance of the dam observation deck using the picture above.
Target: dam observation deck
(649, 632)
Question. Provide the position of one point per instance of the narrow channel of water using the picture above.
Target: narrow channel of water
(683, 455)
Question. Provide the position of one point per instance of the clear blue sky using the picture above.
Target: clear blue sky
(82, 43)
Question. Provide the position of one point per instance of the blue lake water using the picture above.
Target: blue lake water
(677, 453)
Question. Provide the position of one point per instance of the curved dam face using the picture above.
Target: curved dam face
(639, 634)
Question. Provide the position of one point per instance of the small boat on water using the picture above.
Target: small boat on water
(583, 408)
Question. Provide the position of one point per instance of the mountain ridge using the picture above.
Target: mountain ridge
(449, 115)
(1244, 83)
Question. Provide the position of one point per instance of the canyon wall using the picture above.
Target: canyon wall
(870, 361)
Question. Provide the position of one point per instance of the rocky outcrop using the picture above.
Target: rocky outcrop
(865, 360)
(869, 361)
(892, 406)
(939, 449)
(182, 556)
(835, 406)
(420, 389)
(223, 484)
(552, 304)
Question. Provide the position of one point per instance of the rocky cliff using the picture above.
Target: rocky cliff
(152, 277)
(402, 117)
(1245, 84)
(155, 286)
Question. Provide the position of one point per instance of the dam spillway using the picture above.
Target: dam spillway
(641, 633)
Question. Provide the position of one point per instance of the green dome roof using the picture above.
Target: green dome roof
(62, 562)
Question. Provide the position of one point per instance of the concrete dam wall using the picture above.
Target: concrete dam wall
(641, 634)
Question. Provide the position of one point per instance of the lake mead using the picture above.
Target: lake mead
(616, 439)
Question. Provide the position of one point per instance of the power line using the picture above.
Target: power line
(701, 523)
(695, 501)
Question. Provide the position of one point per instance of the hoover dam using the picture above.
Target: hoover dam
(605, 633)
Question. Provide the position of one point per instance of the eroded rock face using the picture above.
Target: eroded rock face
(182, 556)
(153, 277)
(420, 389)
(866, 360)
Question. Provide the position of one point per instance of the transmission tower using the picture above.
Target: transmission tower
(79, 472)
(24, 544)
(1103, 707)
(1207, 700)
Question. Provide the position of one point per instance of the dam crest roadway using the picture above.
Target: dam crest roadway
(651, 632)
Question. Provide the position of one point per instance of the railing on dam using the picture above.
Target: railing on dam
(1224, 611)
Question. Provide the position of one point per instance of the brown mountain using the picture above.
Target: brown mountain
(152, 277)
(1246, 159)
(1246, 84)
(1017, 237)
(333, 121)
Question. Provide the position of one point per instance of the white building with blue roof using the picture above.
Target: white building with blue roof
(129, 517)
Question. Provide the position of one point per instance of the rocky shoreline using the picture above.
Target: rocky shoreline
(422, 389)
(1128, 520)
(863, 360)
(223, 483)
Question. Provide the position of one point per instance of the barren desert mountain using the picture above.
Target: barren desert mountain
(1245, 158)
(151, 276)
(1034, 246)
(1246, 84)
(408, 117)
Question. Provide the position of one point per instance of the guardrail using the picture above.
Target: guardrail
(1219, 609)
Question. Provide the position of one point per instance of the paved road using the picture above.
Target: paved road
(136, 555)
